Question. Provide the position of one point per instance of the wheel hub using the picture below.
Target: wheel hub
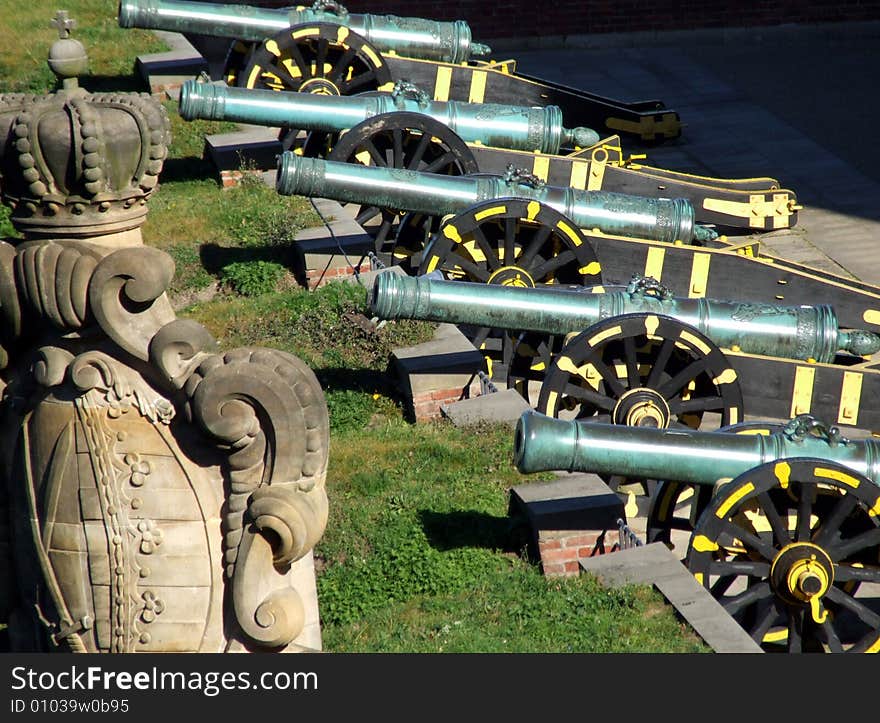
(512, 276)
(642, 407)
(801, 574)
(319, 86)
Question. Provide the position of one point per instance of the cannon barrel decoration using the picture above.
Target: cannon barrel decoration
(796, 332)
(660, 219)
(411, 37)
(503, 126)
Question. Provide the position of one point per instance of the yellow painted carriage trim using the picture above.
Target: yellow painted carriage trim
(478, 87)
(592, 269)
(782, 472)
(699, 275)
(850, 397)
(371, 54)
(487, 213)
(702, 543)
(699, 343)
(836, 474)
(733, 498)
(872, 316)
(802, 392)
(596, 176)
(578, 177)
(654, 262)
(728, 376)
(552, 398)
(570, 232)
(651, 324)
(342, 35)
(442, 83)
(272, 47)
(304, 33)
(603, 335)
(541, 167)
(532, 210)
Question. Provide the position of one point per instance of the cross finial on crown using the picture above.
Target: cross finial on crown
(64, 24)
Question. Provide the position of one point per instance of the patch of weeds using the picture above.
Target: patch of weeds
(7, 230)
(350, 408)
(252, 278)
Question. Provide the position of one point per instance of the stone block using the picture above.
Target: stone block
(252, 147)
(168, 70)
(506, 405)
(571, 517)
(436, 372)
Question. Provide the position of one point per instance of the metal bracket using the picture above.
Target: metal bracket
(330, 6)
(805, 425)
(405, 89)
(757, 209)
(648, 286)
(521, 176)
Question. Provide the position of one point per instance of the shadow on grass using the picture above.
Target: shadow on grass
(130, 83)
(190, 168)
(215, 257)
(468, 528)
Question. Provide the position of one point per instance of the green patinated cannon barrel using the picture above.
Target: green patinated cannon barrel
(543, 443)
(500, 126)
(409, 37)
(660, 219)
(794, 332)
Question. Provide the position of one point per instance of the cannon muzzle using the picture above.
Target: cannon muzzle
(499, 126)
(543, 443)
(660, 219)
(409, 37)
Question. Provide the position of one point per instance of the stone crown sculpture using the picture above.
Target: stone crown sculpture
(80, 163)
(157, 495)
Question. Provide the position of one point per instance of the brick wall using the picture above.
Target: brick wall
(527, 18)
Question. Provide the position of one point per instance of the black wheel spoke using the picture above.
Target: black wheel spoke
(844, 548)
(489, 251)
(831, 524)
(764, 622)
(475, 271)
(296, 55)
(681, 380)
(851, 573)
(547, 269)
(419, 153)
(509, 240)
(337, 72)
(632, 362)
(857, 607)
(321, 57)
(348, 86)
(659, 365)
(805, 509)
(535, 244)
(383, 233)
(377, 157)
(777, 524)
(444, 160)
(615, 388)
(698, 404)
(397, 148)
(751, 596)
(589, 395)
(795, 626)
(748, 539)
(367, 213)
(754, 568)
(831, 637)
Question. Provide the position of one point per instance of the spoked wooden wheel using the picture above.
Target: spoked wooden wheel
(321, 58)
(790, 549)
(237, 58)
(676, 505)
(642, 370)
(511, 242)
(408, 141)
